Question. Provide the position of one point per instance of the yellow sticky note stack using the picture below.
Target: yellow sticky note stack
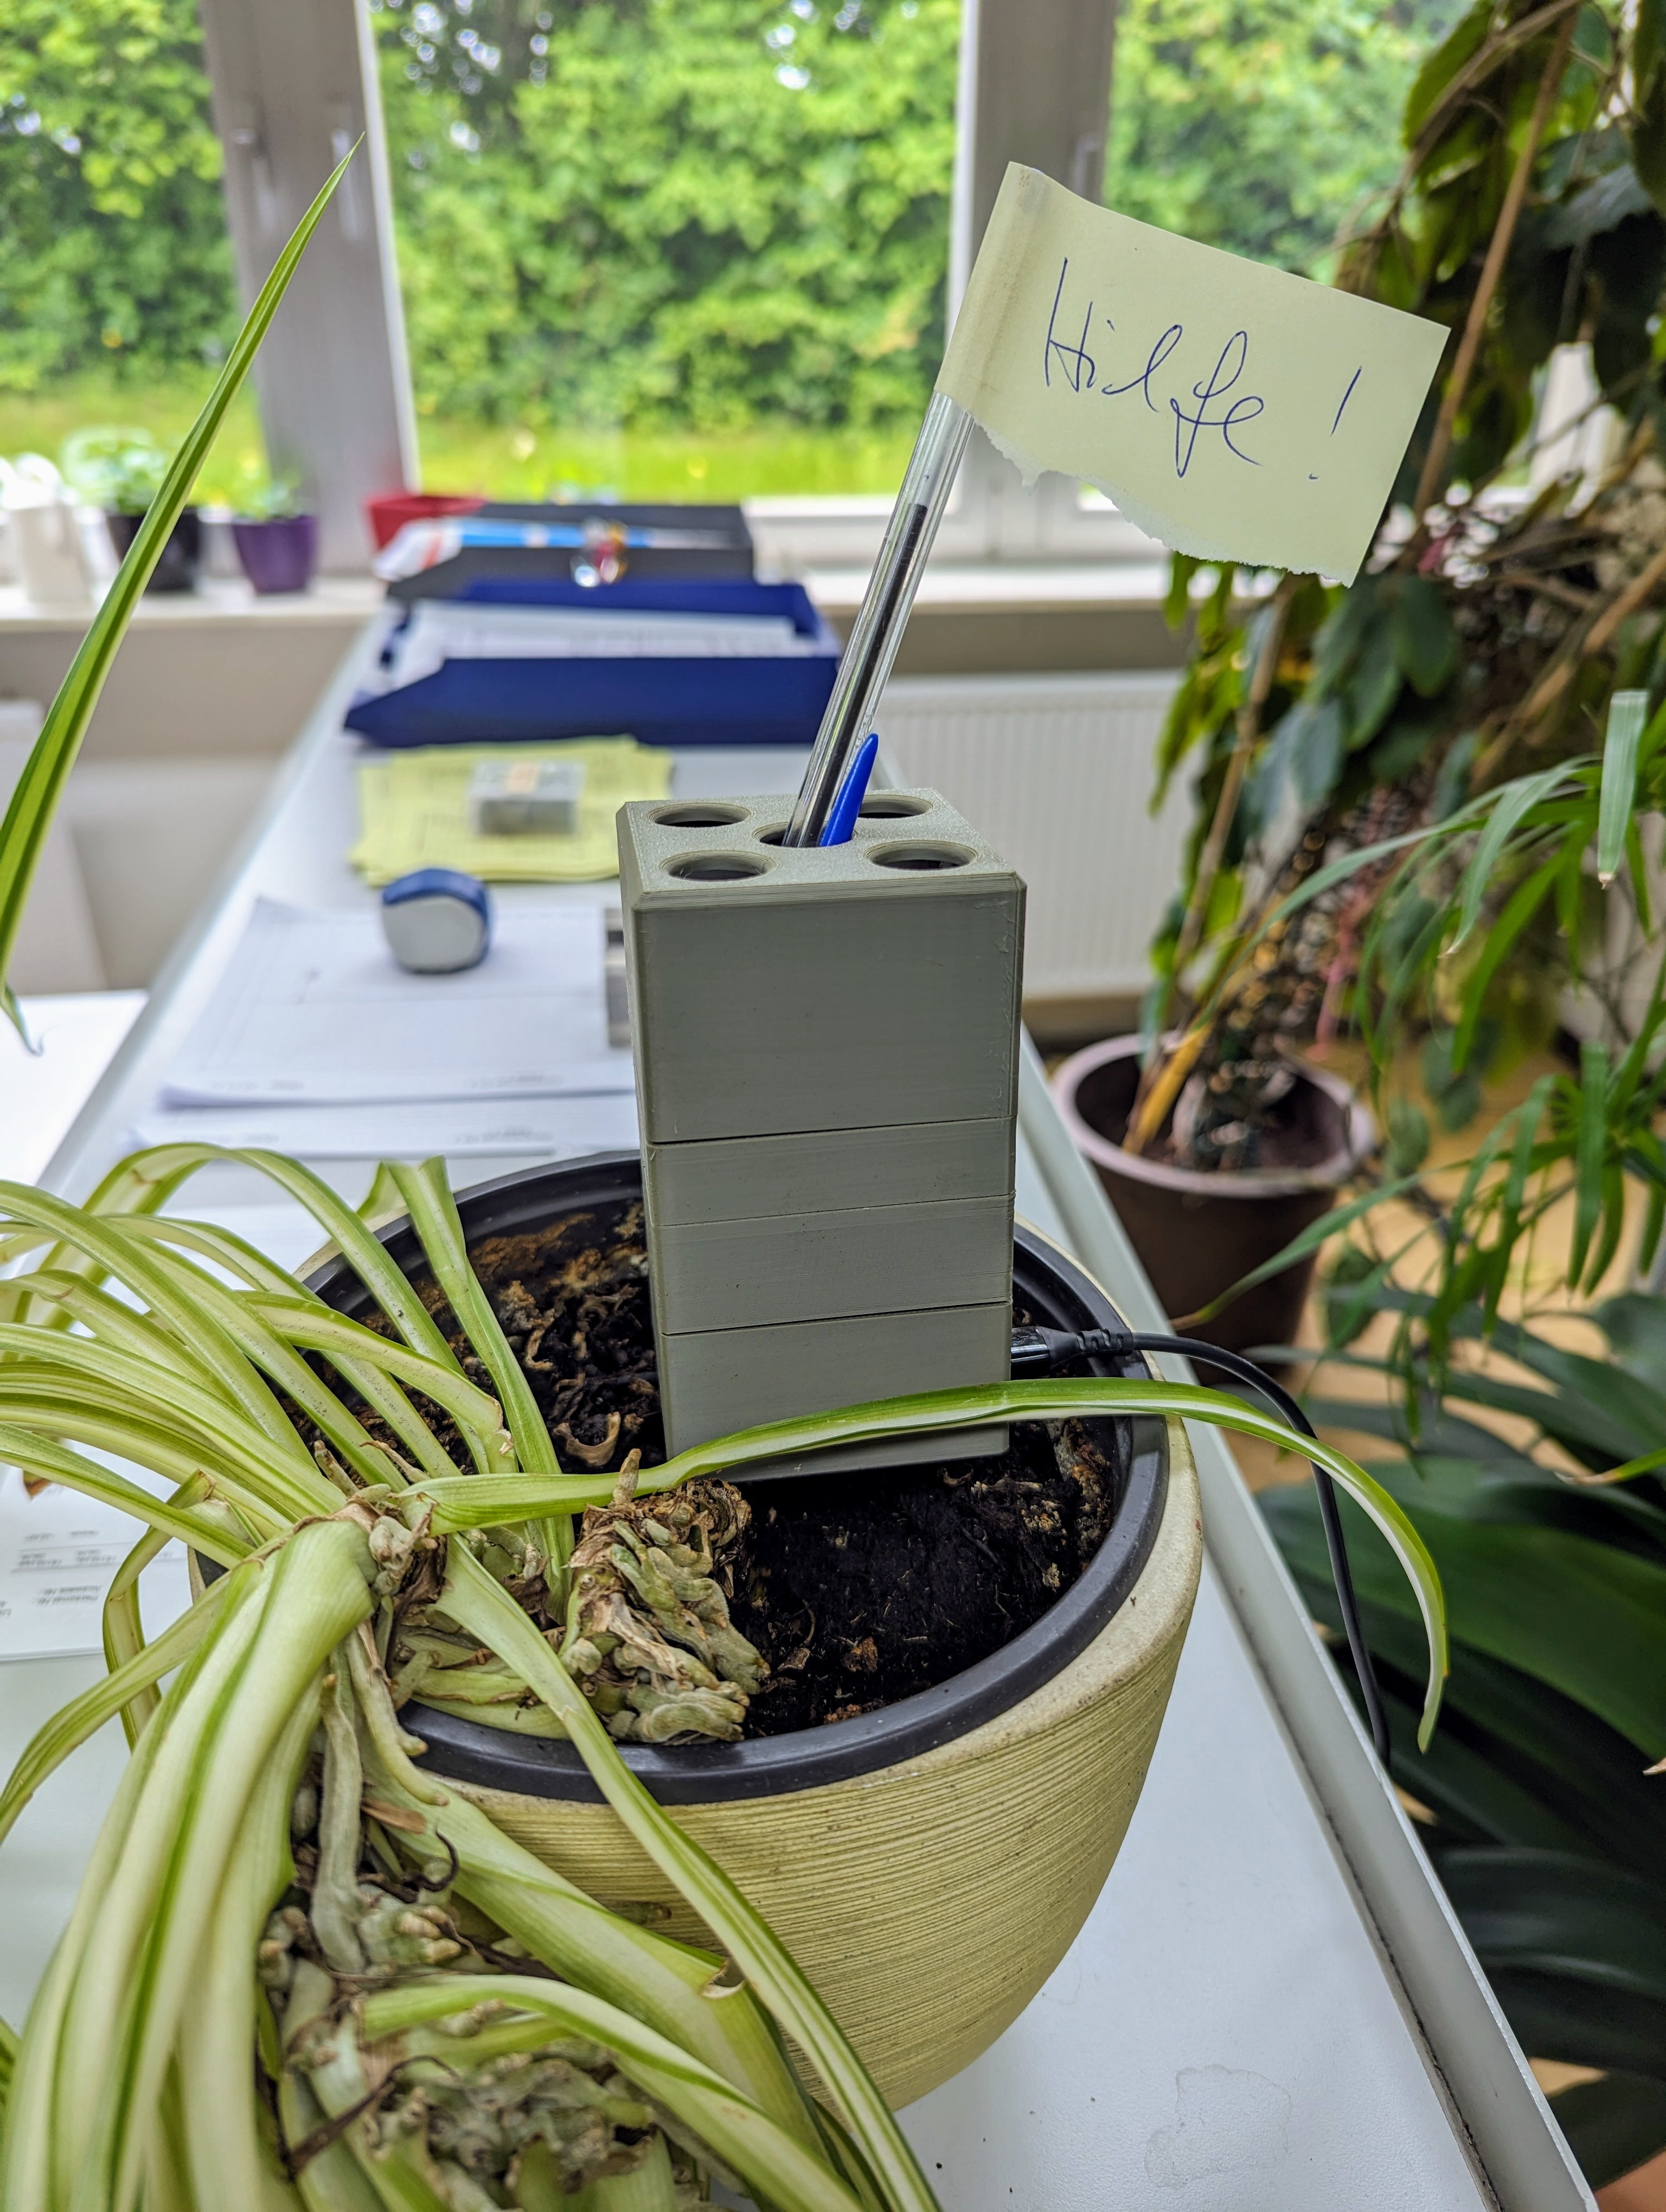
(414, 811)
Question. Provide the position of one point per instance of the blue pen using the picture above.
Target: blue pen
(842, 818)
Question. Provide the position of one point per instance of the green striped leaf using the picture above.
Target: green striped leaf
(1627, 713)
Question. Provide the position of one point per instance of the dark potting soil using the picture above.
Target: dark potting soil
(858, 1589)
(1300, 1131)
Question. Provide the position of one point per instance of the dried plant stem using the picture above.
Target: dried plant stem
(1557, 677)
(1156, 1094)
(1432, 481)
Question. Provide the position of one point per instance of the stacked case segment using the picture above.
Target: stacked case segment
(827, 1074)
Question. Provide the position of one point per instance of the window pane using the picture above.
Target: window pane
(671, 248)
(116, 294)
(1262, 125)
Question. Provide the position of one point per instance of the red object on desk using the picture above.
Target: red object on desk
(388, 515)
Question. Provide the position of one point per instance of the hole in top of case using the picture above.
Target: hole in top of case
(716, 867)
(922, 858)
(700, 814)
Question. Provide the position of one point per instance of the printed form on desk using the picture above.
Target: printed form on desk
(58, 1554)
(313, 1010)
(440, 630)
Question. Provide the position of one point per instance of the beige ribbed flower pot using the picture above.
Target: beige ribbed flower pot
(928, 1901)
(930, 1863)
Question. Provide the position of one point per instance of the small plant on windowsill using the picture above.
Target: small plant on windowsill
(122, 472)
(275, 536)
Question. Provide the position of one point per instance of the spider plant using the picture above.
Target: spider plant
(302, 1971)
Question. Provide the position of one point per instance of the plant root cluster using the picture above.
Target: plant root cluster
(649, 1636)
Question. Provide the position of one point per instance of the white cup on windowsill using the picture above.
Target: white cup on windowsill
(43, 534)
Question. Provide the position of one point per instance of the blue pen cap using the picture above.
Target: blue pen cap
(437, 921)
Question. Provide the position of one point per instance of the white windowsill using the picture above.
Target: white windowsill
(988, 586)
(344, 601)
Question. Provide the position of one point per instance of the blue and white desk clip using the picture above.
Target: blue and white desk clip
(437, 921)
(841, 817)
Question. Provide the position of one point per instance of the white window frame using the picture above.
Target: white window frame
(293, 86)
(1034, 87)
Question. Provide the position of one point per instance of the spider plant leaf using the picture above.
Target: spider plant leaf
(1627, 711)
(83, 1717)
(347, 1343)
(109, 1376)
(1654, 1220)
(433, 1210)
(124, 1623)
(1528, 1117)
(1339, 871)
(103, 1244)
(365, 1253)
(473, 1500)
(1638, 868)
(270, 1354)
(777, 2167)
(367, 1362)
(1507, 808)
(50, 1460)
(487, 1611)
(662, 1982)
(172, 1443)
(434, 1216)
(35, 801)
(146, 1180)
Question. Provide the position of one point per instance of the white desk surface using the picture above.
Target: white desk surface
(1229, 2033)
(45, 1084)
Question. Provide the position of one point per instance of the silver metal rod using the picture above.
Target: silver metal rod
(884, 615)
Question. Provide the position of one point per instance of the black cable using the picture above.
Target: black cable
(1042, 1350)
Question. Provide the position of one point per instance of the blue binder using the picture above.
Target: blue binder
(771, 701)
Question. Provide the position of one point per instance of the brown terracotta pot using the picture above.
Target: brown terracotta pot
(1197, 1234)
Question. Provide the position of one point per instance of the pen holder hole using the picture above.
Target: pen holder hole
(890, 805)
(717, 867)
(922, 859)
(702, 817)
(773, 836)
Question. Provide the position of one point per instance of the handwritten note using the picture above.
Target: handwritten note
(1233, 411)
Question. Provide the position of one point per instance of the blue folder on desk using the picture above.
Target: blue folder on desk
(727, 700)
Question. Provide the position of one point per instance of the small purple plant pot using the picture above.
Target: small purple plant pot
(278, 555)
(176, 565)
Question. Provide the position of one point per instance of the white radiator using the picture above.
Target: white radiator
(1056, 771)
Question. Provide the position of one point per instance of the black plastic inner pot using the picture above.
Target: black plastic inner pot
(1056, 1296)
